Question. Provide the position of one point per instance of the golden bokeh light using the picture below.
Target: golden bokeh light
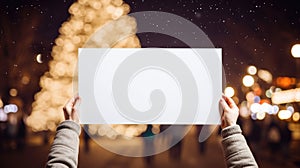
(296, 51)
(252, 70)
(296, 116)
(229, 91)
(248, 80)
(284, 114)
(260, 115)
(1, 103)
(25, 80)
(265, 75)
(13, 92)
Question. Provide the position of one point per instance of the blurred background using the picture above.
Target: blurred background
(39, 39)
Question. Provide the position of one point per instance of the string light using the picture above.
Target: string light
(252, 70)
(25, 80)
(296, 116)
(296, 50)
(286, 96)
(260, 115)
(13, 92)
(265, 76)
(229, 91)
(1, 103)
(248, 81)
(284, 114)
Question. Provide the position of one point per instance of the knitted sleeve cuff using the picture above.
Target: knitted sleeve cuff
(68, 124)
(235, 129)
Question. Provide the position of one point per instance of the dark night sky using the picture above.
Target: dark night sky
(249, 32)
(252, 32)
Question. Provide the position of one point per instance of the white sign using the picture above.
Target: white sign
(150, 85)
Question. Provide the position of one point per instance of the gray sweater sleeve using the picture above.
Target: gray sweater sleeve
(236, 150)
(65, 148)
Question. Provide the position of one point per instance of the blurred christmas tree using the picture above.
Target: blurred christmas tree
(87, 16)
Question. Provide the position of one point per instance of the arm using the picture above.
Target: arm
(65, 148)
(236, 150)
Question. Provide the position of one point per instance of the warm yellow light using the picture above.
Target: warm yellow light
(252, 70)
(260, 115)
(229, 91)
(296, 51)
(1, 103)
(96, 5)
(25, 80)
(87, 16)
(13, 92)
(268, 93)
(76, 39)
(248, 81)
(296, 116)
(118, 12)
(69, 46)
(265, 75)
(110, 9)
(286, 96)
(284, 114)
(250, 97)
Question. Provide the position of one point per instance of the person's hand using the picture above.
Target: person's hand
(230, 112)
(70, 110)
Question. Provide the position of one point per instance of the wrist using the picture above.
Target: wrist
(226, 124)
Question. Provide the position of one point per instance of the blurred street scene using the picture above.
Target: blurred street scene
(39, 42)
(34, 153)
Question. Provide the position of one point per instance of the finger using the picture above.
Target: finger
(74, 112)
(75, 115)
(76, 100)
(68, 105)
(224, 104)
(229, 101)
(225, 98)
(71, 103)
